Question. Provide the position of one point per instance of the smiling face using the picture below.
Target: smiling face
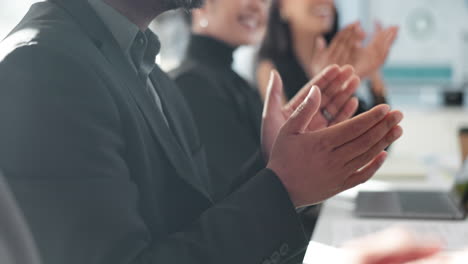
(236, 22)
(315, 16)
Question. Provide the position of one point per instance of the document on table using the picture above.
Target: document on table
(453, 234)
(320, 253)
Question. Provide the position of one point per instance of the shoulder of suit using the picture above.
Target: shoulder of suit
(195, 78)
(48, 26)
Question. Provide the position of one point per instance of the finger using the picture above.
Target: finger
(345, 48)
(322, 80)
(378, 26)
(300, 119)
(354, 128)
(339, 41)
(365, 173)
(384, 42)
(354, 43)
(371, 137)
(392, 34)
(342, 49)
(337, 85)
(274, 96)
(320, 46)
(346, 112)
(366, 157)
(340, 99)
(319, 53)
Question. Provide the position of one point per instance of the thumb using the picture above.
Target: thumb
(319, 54)
(303, 115)
(274, 97)
(378, 26)
(320, 46)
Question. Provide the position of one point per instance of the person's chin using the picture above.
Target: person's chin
(249, 41)
(251, 37)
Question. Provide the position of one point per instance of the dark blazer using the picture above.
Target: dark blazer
(16, 243)
(100, 176)
(227, 111)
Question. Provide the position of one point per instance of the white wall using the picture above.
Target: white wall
(443, 42)
(11, 11)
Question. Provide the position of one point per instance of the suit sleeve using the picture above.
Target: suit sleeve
(63, 153)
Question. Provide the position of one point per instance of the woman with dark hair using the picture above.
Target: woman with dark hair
(227, 110)
(303, 37)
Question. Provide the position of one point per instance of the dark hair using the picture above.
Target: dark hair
(278, 41)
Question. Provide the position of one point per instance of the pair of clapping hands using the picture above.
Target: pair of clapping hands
(348, 48)
(313, 147)
(317, 156)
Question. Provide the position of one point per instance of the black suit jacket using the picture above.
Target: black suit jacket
(16, 243)
(99, 175)
(227, 112)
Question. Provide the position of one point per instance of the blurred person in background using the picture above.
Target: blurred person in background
(303, 37)
(226, 108)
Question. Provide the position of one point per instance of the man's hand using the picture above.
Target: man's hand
(338, 86)
(340, 50)
(369, 59)
(316, 165)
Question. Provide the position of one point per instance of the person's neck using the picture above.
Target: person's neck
(139, 12)
(303, 47)
(205, 33)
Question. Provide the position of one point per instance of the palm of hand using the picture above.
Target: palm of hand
(337, 85)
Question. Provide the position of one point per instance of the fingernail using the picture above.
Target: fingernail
(270, 81)
(385, 109)
(311, 92)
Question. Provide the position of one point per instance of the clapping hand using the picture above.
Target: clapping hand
(347, 48)
(337, 104)
(369, 59)
(340, 51)
(315, 165)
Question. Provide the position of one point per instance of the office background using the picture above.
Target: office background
(429, 57)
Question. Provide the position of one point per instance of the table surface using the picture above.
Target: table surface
(431, 138)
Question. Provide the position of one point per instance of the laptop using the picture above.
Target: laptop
(452, 205)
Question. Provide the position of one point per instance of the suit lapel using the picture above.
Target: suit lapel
(174, 118)
(124, 72)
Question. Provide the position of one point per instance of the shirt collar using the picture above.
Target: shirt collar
(139, 47)
(121, 28)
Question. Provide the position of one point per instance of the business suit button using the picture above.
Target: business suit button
(284, 250)
(275, 258)
(141, 41)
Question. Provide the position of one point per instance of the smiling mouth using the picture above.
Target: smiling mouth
(322, 11)
(250, 22)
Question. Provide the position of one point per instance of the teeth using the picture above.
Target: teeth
(323, 10)
(250, 22)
